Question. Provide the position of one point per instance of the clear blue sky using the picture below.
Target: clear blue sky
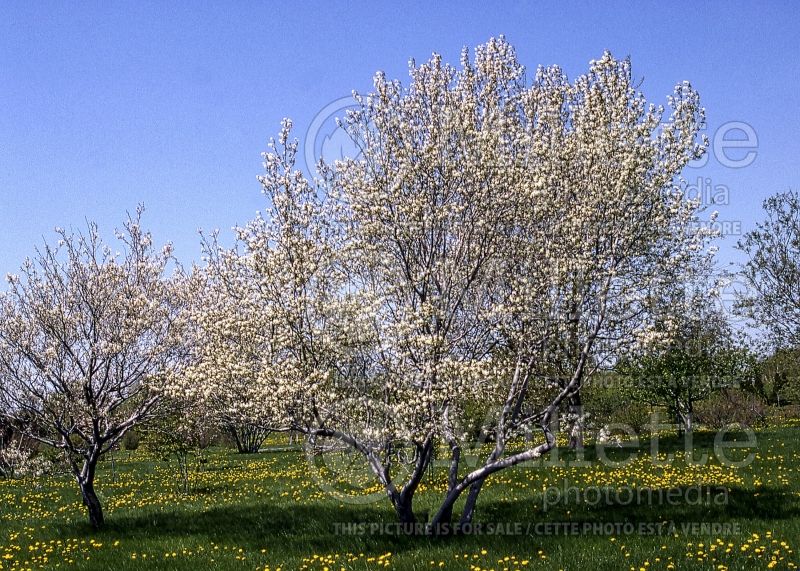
(104, 105)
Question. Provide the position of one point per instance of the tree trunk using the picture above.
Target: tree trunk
(403, 505)
(404, 501)
(447, 507)
(576, 417)
(472, 500)
(678, 417)
(452, 478)
(684, 418)
(90, 499)
(183, 468)
(248, 439)
(93, 506)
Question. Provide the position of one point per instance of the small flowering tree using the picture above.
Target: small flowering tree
(86, 338)
(429, 209)
(18, 460)
(229, 353)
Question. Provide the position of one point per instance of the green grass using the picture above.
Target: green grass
(268, 511)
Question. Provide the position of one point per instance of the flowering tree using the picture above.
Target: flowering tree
(430, 209)
(229, 353)
(86, 337)
(17, 460)
(606, 223)
(488, 229)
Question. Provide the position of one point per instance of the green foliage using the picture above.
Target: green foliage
(701, 359)
(634, 415)
(131, 440)
(606, 401)
(778, 381)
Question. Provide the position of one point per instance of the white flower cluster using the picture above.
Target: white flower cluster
(19, 462)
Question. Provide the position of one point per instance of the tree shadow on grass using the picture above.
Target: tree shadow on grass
(305, 529)
(709, 503)
(698, 443)
(291, 529)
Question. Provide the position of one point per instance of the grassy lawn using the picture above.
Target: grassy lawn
(268, 511)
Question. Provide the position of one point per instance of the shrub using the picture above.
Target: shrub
(787, 415)
(633, 414)
(729, 407)
(131, 440)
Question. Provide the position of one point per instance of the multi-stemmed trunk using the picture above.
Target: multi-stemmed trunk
(511, 418)
(248, 439)
(476, 486)
(403, 500)
(404, 508)
(474, 482)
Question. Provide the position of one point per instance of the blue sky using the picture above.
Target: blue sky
(105, 105)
